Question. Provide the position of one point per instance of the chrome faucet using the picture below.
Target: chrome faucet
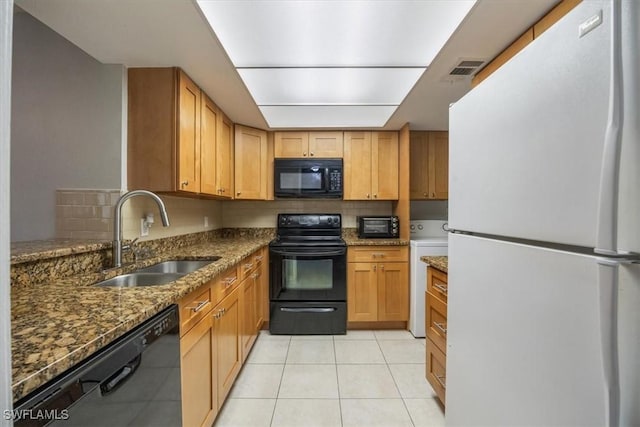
(117, 221)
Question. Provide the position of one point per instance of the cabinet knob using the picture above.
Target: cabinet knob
(374, 268)
(426, 195)
(433, 195)
(238, 193)
(311, 153)
(368, 196)
(304, 154)
(184, 183)
(375, 196)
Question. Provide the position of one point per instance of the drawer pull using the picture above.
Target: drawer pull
(441, 380)
(199, 306)
(440, 326)
(259, 257)
(377, 255)
(248, 266)
(441, 288)
(228, 282)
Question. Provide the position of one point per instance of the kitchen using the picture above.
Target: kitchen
(233, 214)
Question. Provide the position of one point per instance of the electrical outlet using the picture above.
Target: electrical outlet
(144, 227)
(206, 222)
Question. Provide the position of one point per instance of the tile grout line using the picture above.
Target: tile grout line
(404, 404)
(335, 357)
(284, 366)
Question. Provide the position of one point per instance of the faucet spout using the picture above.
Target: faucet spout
(117, 221)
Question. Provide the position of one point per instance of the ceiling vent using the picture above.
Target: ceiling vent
(465, 67)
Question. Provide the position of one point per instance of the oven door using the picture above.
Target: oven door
(308, 274)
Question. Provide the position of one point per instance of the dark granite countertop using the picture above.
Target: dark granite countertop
(52, 248)
(350, 236)
(57, 324)
(438, 262)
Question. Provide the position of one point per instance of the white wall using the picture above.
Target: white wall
(6, 19)
(66, 128)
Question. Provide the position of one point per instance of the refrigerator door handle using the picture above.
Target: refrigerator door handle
(608, 297)
(606, 237)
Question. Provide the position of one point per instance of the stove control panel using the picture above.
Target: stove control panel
(309, 220)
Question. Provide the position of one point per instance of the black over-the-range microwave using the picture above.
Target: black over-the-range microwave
(308, 178)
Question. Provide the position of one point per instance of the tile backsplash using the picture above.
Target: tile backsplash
(263, 213)
(85, 213)
(88, 213)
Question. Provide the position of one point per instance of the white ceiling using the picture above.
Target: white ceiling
(158, 33)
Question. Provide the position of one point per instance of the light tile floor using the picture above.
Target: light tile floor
(364, 378)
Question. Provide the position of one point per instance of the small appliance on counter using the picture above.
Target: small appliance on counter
(308, 178)
(378, 227)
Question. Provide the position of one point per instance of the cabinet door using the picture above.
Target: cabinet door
(247, 308)
(188, 135)
(326, 144)
(224, 157)
(362, 294)
(291, 144)
(419, 165)
(208, 136)
(393, 291)
(228, 344)
(259, 295)
(439, 165)
(436, 369)
(357, 166)
(198, 377)
(384, 165)
(436, 321)
(250, 163)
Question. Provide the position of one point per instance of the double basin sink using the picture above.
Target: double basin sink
(158, 274)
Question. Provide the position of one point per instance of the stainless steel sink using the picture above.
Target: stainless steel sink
(141, 279)
(178, 266)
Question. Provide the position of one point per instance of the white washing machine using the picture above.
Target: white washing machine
(428, 238)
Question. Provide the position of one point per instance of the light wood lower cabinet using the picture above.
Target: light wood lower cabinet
(436, 331)
(227, 343)
(198, 377)
(377, 290)
(219, 323)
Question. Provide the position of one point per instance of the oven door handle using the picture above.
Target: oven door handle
(332, 252)
(308, 309)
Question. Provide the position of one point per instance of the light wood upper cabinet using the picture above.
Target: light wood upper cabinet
(370, 166)
(224, 156)
(429, 165)
(173, 136)
(308, 144)
(189, 134)
(208, 139)
(250, 163)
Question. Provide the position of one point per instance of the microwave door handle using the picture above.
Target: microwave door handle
(327, 181)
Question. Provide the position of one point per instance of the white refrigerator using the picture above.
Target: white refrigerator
(544, 281)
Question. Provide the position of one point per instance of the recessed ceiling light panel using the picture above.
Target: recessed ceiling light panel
(329, 86)
(318, 116)
(333, 33)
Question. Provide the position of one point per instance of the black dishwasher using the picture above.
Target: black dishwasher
(133, 381)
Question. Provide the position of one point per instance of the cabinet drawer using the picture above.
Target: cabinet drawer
(226, 283)
(246, 267)
(436, 370)
(258, 258)
(377, 253)
(436, 321)
(437, 284)
(194, 307)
